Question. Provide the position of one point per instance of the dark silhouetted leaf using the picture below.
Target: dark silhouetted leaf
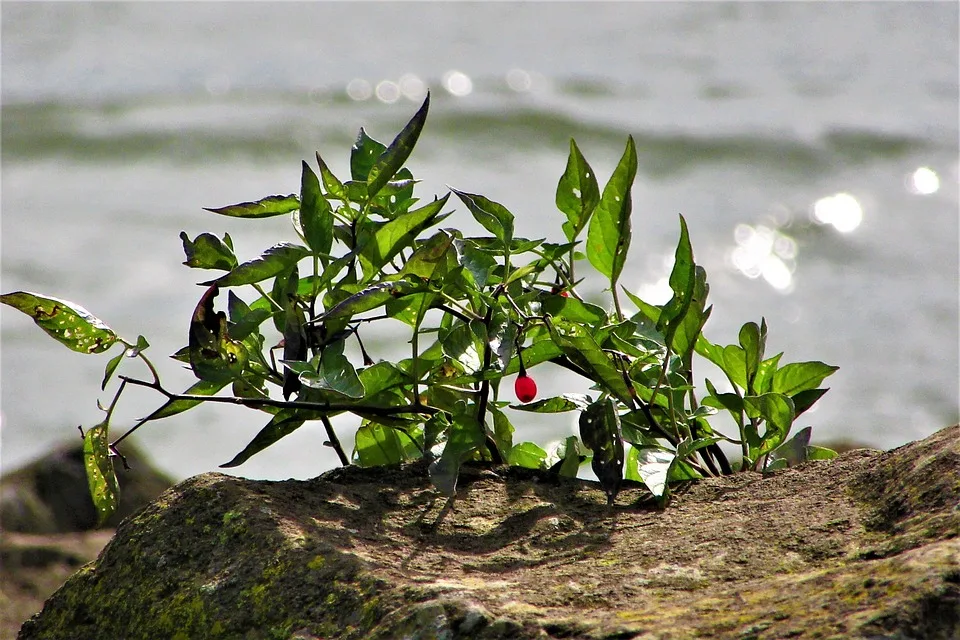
(213, 355)
(600, 432)
(316, 217)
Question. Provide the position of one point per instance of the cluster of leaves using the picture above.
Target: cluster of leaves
(477, 310)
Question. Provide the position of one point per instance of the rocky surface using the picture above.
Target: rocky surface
(865, 546)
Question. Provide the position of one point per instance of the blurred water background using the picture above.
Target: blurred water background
(812, 148)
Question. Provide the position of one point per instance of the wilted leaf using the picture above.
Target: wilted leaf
(213, 355)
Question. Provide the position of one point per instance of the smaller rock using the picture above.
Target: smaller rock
(50, 495)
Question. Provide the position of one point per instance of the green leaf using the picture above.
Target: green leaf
(461, 344)
(101, 477)
(527, 455)
(683, 282)
(66, 322)
(111, 368)
(778, 412)
(316, 217)
(559, 404)
(377, 445)
(600, 432)
(173, 407)
(608, 237)
(398, 234)
(494, 217)
(331, 182)
(571, 458)
(335, 373)
(753, 339)
(800, 376)
(793, 451)
(578, 343)
(392, 159)
(423, 262)
(652, 467)
(281, 425)
(371, 297)
(274, 261)
(208, 252)
(806, 399)
(687, 329)
(577, 193)
(465, 437)
(265, 208)
(382, 376)
(573, 310)
(363, 155)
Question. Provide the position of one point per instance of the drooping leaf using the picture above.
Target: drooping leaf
(101, 477)
(213, 355)
(207, 251)
(600, 432)
(494, 217)
(652, 467)
(316, 217)
(392, 159)
(465, 437)
(608, 236)
(281, 425)
(371, 297)
(264, 208)
(294, 334)
(577, 193)
(559, 404)
(274, 261)
(527, 455)
(335, 373)
(573, 310)
(66, 322)
(363, 155)
(377, 445)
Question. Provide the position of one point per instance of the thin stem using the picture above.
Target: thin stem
(335, 441)
(321, 407)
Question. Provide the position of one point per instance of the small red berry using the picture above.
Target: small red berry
(525, 388)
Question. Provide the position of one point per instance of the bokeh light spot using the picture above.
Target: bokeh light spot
(359, 89)
(841, 210)
(519, 80)
(764, 252)
(412, 87)
(388, 91)
(457, 83)
(924, 181)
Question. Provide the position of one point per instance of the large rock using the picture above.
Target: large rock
(864, 546)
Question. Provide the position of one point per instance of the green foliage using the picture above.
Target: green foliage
(500, 304)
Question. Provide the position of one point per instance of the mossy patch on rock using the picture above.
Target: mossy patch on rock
(865, 545)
